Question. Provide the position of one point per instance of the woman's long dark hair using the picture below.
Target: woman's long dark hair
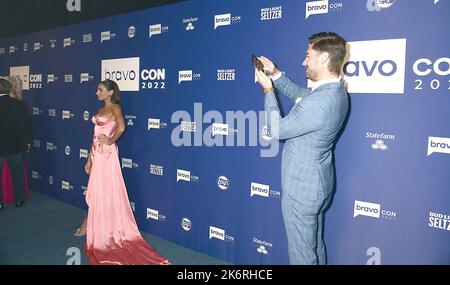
(112, 85)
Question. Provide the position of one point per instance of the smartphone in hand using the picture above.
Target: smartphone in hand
(257, 63)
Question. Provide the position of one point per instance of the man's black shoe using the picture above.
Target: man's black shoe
(1, 206)
(19, 204)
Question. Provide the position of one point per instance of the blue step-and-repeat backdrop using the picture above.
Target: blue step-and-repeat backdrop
(199, 165)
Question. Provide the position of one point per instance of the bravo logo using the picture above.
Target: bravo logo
(124, 71)
(438, 144)
(366, 209)
(316, 7)
(376, 66)
(24, 73)
(225, 20)
(373, 210)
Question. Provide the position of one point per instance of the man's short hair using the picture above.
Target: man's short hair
(334, 45)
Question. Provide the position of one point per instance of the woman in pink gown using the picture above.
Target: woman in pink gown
(112, 236)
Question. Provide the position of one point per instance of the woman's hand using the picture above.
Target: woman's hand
(88, 166)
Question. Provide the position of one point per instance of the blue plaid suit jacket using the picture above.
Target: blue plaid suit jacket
(310, 130)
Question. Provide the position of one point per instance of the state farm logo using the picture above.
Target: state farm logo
(129, 119)
(190, 23)
(376, 66)
(52, 43)
(380, 140)
(262, 245)
(124, 71)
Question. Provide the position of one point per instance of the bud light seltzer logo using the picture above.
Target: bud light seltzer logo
(124, 71)
(156, 170)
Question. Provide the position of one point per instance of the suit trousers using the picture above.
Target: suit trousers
(303, 221)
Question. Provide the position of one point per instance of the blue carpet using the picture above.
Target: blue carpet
(41, 233)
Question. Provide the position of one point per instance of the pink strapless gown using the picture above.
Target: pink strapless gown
(112, 235)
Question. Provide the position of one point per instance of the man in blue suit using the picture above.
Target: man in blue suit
(310, 130)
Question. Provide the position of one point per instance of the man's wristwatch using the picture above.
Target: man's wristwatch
(267, 90)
